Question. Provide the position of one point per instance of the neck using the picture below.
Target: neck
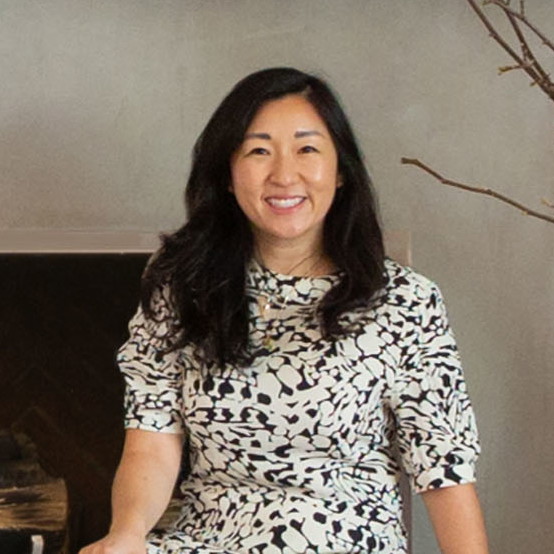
(296, 260)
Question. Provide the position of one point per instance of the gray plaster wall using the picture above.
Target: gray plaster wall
(100, 103)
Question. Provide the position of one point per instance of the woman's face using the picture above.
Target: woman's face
(284, 174)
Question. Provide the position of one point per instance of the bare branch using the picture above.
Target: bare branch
(486, 191)
(534, 70)
(523, 18)
(526, 61)
(506, 68)
(528, 55)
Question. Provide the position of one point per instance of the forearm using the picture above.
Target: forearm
(144, 482)
(138, 498)
(457, 519)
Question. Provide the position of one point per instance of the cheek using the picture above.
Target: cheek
(235, 178)
(324, 172)
(242, 178)
(237, 174)
(327, 181)
(243, 190)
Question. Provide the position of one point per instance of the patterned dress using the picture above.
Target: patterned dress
(302, 451)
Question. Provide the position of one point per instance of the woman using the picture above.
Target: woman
(295, 357)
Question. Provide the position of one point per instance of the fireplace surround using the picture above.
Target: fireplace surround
(65, 300)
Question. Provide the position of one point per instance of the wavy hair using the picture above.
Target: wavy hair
(204, 262)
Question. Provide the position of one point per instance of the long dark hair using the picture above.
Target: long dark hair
(204, 262)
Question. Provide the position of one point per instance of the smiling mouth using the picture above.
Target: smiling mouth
(285, 202)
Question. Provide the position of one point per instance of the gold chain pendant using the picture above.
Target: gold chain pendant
(264, 305)
(268, 342)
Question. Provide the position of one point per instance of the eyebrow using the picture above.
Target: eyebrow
(267, 136)
(302, 134)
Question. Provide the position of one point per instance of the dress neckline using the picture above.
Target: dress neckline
(294, 288)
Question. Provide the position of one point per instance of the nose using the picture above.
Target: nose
(284, 170)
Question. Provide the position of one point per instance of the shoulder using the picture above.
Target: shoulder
(407, 287)
(415, 300)
(159, 322)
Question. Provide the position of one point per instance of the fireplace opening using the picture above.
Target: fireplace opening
(63, 318)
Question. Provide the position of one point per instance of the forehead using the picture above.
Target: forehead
(292, 112)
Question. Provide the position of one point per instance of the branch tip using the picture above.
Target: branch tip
(480, 190)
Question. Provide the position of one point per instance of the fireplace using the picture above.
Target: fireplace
(64, 312)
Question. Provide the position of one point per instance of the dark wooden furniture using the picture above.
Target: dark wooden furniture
(33, 505)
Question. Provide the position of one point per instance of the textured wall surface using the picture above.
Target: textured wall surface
(100, 103)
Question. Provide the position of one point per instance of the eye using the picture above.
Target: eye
(258, 151)
(308, 149)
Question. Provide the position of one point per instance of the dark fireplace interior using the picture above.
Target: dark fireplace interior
(62, 318)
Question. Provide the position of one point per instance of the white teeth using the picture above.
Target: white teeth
(285, 202)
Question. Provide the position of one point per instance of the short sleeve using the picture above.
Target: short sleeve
(436, 429)
(153, 376)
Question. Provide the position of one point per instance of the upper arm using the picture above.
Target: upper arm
(436, 429)
(165, 448)
(451, 500)
(153, 371)
(456, 516)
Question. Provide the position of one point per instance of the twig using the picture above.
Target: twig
(506, 68)
(523, 18)
(542, 80)
(486, 191)
(528, 55)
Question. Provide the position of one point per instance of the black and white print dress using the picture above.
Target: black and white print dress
(296, 454)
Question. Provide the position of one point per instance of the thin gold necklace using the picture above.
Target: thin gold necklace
(266, 300)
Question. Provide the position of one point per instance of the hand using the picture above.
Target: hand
(117, 543)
